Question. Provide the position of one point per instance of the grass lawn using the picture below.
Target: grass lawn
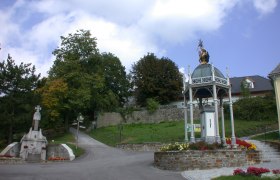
(68, 139)
(273, 136)
(167, 131)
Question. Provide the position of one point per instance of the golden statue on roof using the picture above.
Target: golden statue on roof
(203, 54)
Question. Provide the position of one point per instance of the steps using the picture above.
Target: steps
(33, 158)
(268, 153)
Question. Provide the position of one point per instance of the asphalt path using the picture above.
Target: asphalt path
(100, 162)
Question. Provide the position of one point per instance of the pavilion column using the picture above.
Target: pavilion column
(223, 122)
(192, 139)
(186, 119)
(233, 139)
(217, 134)
(185, 109)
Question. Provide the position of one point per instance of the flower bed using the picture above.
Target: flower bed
(57, 159)
(6, 156)
(256, 171)
(242, 144)
(200, 155)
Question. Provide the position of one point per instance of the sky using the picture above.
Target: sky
(242, 35)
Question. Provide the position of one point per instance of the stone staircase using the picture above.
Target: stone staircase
(33, 158)
(268, 153)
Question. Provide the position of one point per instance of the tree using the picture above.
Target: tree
(94, 81)
(115, 77)
(53, 94)
(17, 83)
(245, 91)
(156, 78)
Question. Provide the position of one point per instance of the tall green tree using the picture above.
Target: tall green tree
(115, 77)
(157, 78)
(94, 80)
(17, 84)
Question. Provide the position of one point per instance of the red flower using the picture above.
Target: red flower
(257, 171)
(238, 172)
(276, 171)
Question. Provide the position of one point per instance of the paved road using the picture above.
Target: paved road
(100, 162)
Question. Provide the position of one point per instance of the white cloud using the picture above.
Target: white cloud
(175, 21)
(129, 29)
(265, 6)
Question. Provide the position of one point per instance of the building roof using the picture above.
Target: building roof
(276, 71)
(261, 84)
(205, 70)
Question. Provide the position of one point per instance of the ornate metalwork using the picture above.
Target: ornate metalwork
(202, 80)
(221, 80)
(208, 79)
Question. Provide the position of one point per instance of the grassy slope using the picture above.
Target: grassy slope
(274, 136)
(166, 132)
(68, 139)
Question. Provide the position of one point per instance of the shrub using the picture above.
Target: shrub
(255, 108)
(152, 105)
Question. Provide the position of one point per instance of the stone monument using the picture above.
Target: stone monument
(34, 144)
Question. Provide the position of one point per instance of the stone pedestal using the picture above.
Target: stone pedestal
(33, 146)
(208, 124)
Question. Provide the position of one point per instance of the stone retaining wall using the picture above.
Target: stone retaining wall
(140, 147)
(57, 150)
(144, 116)
(208, 159)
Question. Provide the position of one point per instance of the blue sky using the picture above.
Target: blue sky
(242, 35)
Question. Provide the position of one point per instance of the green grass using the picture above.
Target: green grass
(246, 128)
(166, 132)
(68, 139)
(238, 177)
(273, 136)
(139, 133)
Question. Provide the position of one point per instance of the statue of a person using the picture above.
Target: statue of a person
(203, 54)
(37, 117)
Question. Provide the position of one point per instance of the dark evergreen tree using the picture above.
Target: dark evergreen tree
(17, 99)
(156, 78)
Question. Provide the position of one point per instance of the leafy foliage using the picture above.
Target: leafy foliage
(90, 81)
(255, 108)
(53, 95)
(17, 100)
(152, 105)
(156, 78)
(245, 91)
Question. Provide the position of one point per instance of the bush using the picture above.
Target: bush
(152, 105)
(255, 108)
